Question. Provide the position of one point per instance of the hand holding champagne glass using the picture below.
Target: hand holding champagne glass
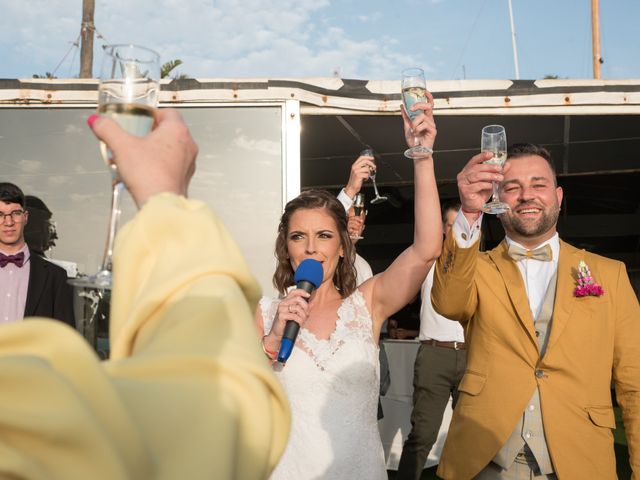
(368, 152)
(494, 140)
(128, 93)
(414, 90)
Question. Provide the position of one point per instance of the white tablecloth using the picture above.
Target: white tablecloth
(397, 404)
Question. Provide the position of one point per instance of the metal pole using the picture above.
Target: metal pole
(86, 39)
(595, 36)
(513, 42)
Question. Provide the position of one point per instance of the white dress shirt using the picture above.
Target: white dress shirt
(363, 270)
(536, 274)
(345, 200)
(434, 326)
(14, 283)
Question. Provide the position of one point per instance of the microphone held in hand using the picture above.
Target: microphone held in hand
(308, 277)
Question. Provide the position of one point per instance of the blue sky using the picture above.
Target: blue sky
(372, 39)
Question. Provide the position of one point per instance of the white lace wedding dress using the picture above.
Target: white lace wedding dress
(332, 386)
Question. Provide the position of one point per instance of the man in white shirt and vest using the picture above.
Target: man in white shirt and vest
(438, 369)
(360, 172)
(548, 328)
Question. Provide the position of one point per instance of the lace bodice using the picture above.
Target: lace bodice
(332, 386)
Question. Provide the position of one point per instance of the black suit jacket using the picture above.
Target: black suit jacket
(49, 294)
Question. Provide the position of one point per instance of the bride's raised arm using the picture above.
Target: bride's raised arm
(392, 289)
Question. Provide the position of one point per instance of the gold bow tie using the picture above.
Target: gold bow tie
(543, 253)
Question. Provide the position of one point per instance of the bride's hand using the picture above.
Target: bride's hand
(292, 307)
(423, 127)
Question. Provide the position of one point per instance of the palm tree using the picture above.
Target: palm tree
(167, 67)
(46, 75)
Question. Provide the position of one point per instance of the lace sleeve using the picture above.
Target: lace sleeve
(268, 308)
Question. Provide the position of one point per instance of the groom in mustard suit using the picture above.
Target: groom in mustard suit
(549, 328)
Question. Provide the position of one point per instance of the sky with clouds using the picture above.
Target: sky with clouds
(372, 39)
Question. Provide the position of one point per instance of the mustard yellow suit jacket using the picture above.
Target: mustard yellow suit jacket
(593, 341)
(187, 393)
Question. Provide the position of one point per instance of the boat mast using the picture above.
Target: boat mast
(513, 42)
(595, 36)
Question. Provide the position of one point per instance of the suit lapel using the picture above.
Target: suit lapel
(515, 287)
(37, 280)
(565, 301)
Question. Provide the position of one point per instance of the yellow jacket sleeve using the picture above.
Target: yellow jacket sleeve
(187, 392)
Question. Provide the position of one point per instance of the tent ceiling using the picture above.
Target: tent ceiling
(596, 158)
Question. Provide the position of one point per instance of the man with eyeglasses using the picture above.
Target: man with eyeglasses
(29, 284)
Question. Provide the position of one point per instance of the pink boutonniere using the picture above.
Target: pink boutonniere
(586, 286)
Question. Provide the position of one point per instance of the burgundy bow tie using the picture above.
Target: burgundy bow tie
(18, 259)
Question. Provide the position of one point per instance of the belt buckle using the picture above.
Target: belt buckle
(455, 345)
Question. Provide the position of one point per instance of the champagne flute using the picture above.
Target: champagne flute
(368, 152)
(358, 204)
(128, 93)
(358, 209)
(494, 140)
(414, 90)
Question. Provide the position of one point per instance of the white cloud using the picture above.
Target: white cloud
(214, 38)
(29, 166)
(256, 146)
(57, 181)
(37, 34)
(81, 198)
(73, 128)
(370, 17)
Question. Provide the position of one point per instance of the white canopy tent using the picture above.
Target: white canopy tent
(317, 126)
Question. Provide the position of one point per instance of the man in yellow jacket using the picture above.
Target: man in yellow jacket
(548, 328)
(186, 393)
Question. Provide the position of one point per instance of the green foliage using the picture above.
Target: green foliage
(169, 66)
(46, 75)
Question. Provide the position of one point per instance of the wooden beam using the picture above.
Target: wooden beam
(86, 39)
(595, 38)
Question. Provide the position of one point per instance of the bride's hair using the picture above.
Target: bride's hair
(345, 276)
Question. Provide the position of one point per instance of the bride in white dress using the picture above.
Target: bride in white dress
(332, 375)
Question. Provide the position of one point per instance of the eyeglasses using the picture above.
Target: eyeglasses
(17, 216)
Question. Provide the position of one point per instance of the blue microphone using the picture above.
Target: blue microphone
(308, 277)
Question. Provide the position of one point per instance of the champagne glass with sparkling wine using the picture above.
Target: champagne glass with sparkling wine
(368, 152)
(494, 140)
(414, 90)
(128, 93)
(358, 210)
